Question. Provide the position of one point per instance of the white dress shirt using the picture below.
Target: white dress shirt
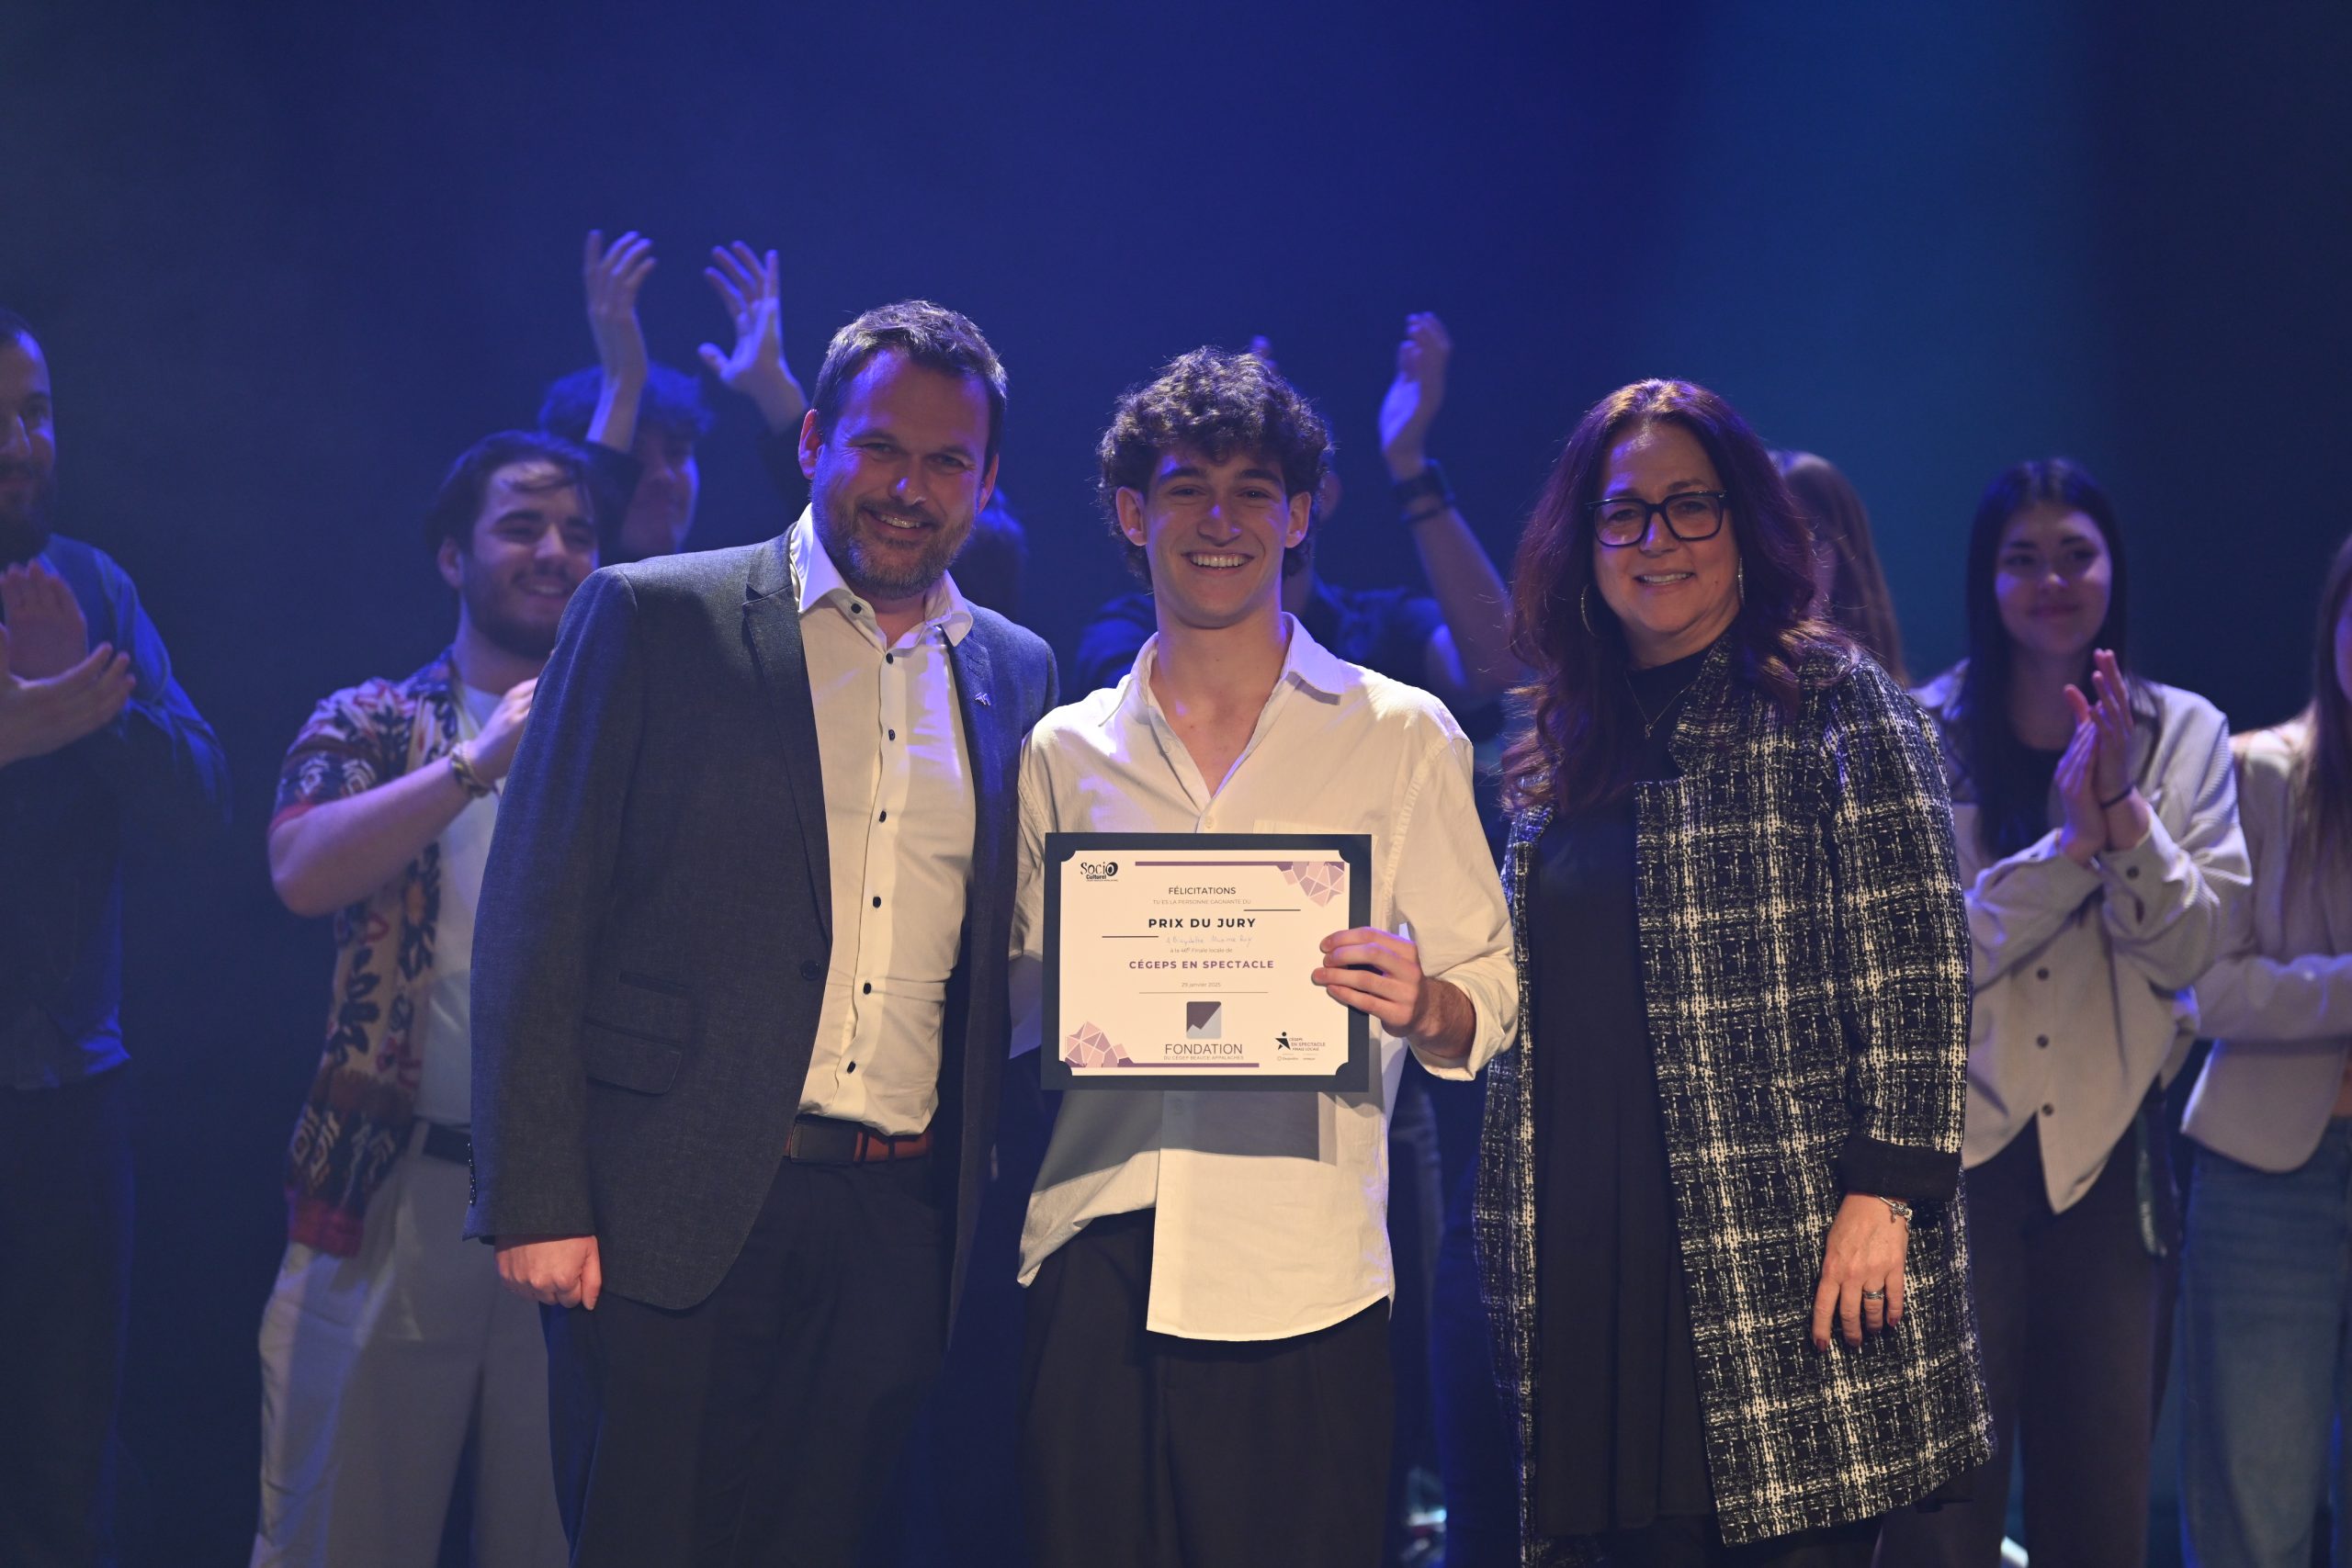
(1271, 1206)
(2082, 973)
(2277, 1001)
(899, 824)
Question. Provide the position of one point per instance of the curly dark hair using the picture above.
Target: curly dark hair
(1217, 403)
(1581, 749)
(672, 404)
(930, 336)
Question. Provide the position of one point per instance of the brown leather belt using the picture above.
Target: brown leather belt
(827, 1140)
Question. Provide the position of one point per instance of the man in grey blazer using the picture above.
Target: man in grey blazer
(739, 980)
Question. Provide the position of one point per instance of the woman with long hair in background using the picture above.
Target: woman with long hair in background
(1845, 564)
(1715, 1215)
(2098, 838)
(2265, 1289)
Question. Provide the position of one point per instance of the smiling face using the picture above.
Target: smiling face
(1673, 595)
(895, 487)
(1213, 534)
(534, 542)
(661, 511)
(2051, 580)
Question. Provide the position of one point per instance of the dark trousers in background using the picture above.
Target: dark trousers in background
(64, 1304)
(1141, 1450)
(2074, 1316)
(1686, 1542)
(758, 1427)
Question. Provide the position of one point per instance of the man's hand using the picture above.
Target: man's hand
(1862, 1271)
(747, 291)
(1414, 397)
(47, 635)
(493, 752)
(553, 1270)
(1379, 972)
(612, 278)
(41, 717)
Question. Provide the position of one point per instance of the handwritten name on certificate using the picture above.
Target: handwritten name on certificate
(1181, 960)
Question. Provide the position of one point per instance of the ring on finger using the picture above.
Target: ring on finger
(1873, 1295)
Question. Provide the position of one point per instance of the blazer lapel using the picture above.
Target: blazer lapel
(772, 625)
(985, 738)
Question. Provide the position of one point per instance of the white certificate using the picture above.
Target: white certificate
(1181, 960)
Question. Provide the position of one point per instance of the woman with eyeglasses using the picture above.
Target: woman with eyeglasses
(2098, 838)
(2264, 1292)
(1716, 1214)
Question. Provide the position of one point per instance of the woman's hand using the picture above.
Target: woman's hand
(1862, 1271)
(2083, 832)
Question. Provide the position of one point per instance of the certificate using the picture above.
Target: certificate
(1181, 961)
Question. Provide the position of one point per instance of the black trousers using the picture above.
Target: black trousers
(65, 1301)
(757, 1429)
(1687, 1542)
(2074, 1316)
(1142, 1450)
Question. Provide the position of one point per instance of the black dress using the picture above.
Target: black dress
(1620, 1441)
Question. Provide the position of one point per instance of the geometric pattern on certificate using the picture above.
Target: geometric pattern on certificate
(1089, 1047)
(1204, 1021)
(1320, 880)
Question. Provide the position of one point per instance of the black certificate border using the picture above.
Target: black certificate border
(1350, 1076)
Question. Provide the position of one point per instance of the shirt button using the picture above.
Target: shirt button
(811, 970)
(2131, 874)
(891, 733)
(2049, 1111)
(889, 659)
(869, 991)
(855, 608)
(2042, 974)
(2043, 1040)
(853, 1066)
(884, 818)
(878, 900)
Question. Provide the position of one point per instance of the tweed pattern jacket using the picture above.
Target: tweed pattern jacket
(1805, 957)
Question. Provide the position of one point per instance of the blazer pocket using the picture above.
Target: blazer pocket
(635, 1032)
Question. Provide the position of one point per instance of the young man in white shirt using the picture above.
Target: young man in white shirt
(1206, 1373)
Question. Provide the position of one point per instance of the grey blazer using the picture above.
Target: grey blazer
(652, 937)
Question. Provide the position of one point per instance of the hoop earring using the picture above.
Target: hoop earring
(1584, 612)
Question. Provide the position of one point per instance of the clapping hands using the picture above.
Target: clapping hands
(2103, 810)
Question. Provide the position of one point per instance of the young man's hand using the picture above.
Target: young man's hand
(747, 291)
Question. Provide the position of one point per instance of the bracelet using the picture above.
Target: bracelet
(461, 768)
(1429, 482)
(2108, 805)
(1896, 1206)
(1413, 519)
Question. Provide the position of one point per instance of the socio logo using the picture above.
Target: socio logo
(1098, 870)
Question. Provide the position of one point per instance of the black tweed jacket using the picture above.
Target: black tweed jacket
(1805, 955)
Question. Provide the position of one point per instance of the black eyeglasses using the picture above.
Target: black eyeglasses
(1622, 520)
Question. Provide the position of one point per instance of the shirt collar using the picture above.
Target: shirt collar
(1306, 664)
(821, 583)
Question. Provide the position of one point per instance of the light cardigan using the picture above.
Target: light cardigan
(2082, 974)
(2278, 999)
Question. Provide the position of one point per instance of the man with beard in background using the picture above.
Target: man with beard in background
(739, 995)
(388, 1347)
(98, 743)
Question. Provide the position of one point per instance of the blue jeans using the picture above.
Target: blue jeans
(2264, 1295)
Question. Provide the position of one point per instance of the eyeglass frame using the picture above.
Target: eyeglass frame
(1722, 498)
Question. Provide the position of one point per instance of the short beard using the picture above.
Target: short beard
(25, 535)
(864, 575)
(506, 633)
